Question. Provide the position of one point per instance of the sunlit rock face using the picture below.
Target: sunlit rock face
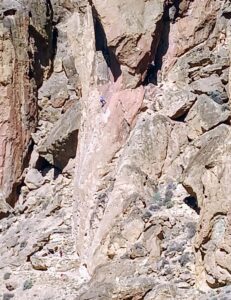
(115, 149)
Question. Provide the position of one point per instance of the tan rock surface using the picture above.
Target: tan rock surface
(207, 176)
(131, 32)
(124, 193)
(19, 54)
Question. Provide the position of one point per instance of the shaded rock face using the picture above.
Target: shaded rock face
(115, 122)
(25, 59)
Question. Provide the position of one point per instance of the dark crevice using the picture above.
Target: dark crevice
(4, 215)
(201, 62)
(42, 164)
(219, 214)
(13, 197)
(226, 122)
(55, 35)
(145, 294)
(191, 201)
(49, 12)
(176, 5)
(28, 155)
(181, 118)
(44, 167)
(159, 48)
(171, 13)
(101, 45)
(114, 65)
(227, 15)
(9, 12)
(216, 284)
(42, 55)
(39, 248)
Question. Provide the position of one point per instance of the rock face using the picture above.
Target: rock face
(25, 59)
(206, 176)
(135, 38)
(114, 149)
(61, 143)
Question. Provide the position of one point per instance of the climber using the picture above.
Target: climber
(102, 101)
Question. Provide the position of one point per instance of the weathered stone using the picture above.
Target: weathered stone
(22, 38)
(206, 178)
(138, 250)
(187, 32)
(173, 101)
(38, 263)
(8, 296)
(61, 143)
(150, 181)
(57, 84)
(136, 34)
(208, 85)
(34, 179)
(206, 114)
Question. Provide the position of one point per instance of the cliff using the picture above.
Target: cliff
(115, 145)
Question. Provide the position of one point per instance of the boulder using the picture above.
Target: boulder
(34, 179)
(206, 114)
(61, 143)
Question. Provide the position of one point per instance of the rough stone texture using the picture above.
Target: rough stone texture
(135, 36)
(22, 38)
(34, 179)
(61, 143)
(166, 153)
(206, 176)
(171, 100)
(125, 191)
(206, 114)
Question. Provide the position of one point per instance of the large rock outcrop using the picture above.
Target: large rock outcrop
(198, 85)
(124, 108)
(206, 177)
(134, 39)
(26, 38)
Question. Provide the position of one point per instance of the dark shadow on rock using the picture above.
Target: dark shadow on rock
(181, 118)
(55, 35)
(192, 203)
(3, 215)
(159, 48)
(101, 45)
(9, 12)
(16, 189)
(160, 42)
(41, 57)
(44, 167)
